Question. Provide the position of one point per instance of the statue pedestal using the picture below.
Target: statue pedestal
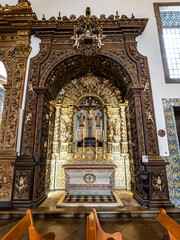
(89, 176)
(155, 190)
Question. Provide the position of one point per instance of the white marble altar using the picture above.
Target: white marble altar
(89, 176)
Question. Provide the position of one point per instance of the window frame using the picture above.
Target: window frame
(161, 40)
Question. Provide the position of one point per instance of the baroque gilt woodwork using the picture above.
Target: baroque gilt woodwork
(69, 49)
(14, 52)
(90, 108)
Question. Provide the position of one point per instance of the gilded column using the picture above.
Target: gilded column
(56, 143)
(75, 134)
(104, 133)
(124, 143)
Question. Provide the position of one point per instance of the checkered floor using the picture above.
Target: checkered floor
(90, 199)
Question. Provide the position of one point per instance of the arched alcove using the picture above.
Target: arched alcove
(90, 127)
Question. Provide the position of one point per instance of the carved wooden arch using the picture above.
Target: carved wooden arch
(37, 66)
(119, 81)
(42, 88)
(130, 68)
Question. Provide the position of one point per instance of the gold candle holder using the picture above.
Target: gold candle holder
(75, 150)
(104, 149)
(96, 147)
(83, 145)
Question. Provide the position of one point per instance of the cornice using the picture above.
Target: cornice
(18, 17)
(111, 25)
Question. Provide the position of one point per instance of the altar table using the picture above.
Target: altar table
(89, 177)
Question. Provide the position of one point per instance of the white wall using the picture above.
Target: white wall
(148, 43)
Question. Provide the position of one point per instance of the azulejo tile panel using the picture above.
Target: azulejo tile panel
(173, 168)
(170, 18)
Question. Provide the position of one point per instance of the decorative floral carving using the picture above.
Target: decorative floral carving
(148, 105)
(6, 178)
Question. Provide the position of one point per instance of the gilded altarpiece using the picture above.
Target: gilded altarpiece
(90, 127)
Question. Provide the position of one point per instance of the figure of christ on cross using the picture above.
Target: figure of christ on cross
(90, 120)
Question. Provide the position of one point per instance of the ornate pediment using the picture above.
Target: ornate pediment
(88, 34)
(89, 25)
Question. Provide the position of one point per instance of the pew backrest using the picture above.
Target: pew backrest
(18, 230)
(172, 227)
(26, 223)
(95, 232)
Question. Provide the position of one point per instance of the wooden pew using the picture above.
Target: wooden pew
(172, 227)
(22, 226)
(95, 232)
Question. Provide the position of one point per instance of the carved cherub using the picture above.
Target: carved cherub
(28, 117)
(150, 116)
(146, 87)
(30, 86)
(159, 183)
(21, 184)
(99, 41)
(77, 41)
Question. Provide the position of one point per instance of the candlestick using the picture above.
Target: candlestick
(104, 149)
(83, 144)
(96, 146)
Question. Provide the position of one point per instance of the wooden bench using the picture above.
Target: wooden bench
(21, 227)
(95, 232)
(172, 227)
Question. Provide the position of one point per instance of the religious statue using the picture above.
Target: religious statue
(81, 119)
(69, 131)
(98, 120)
(64, 128)
(116, 127)
(110, 129)
(90, 119)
